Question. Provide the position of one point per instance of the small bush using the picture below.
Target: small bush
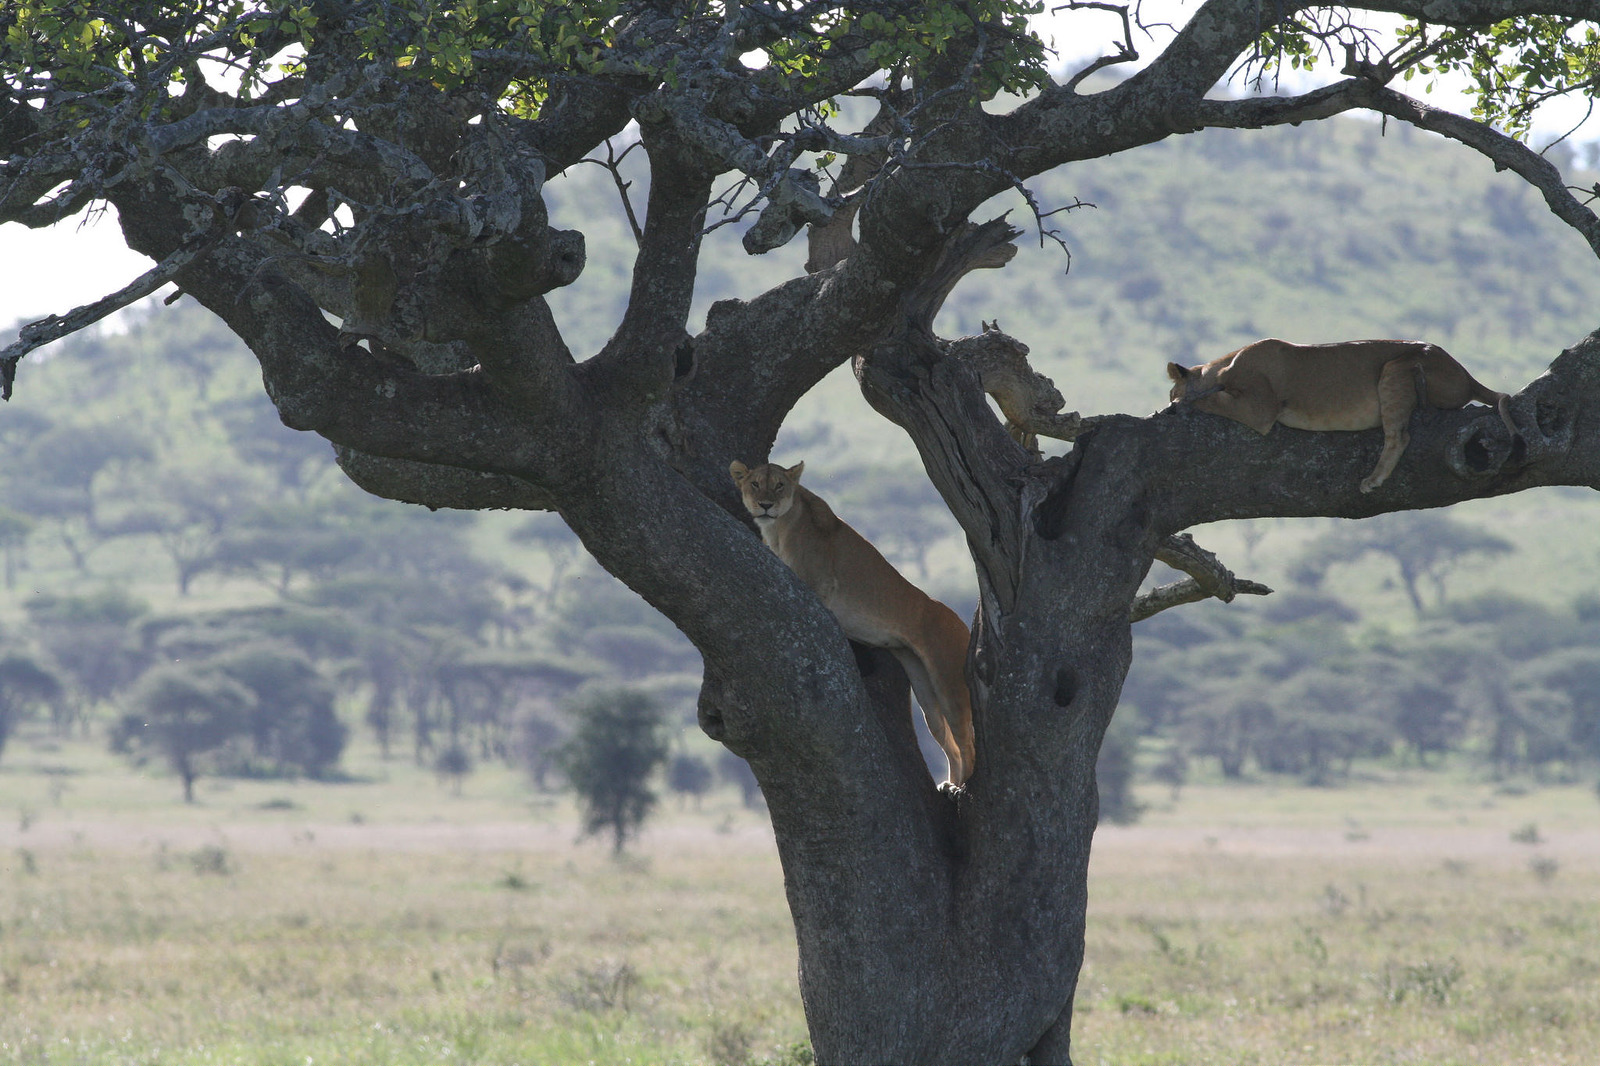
(211, 859)
(513, 880)
(1431, 980)
(1527, 834)
(617, 744)
(799, 1054)
(729, 1044)
(602, 988)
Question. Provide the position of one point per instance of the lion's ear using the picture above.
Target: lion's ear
(794, 471)
(739, 471)
(1176, 372)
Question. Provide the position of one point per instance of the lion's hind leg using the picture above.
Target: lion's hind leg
(936, 665)
(1397, 398)
(948, 646)
(931, 697)
(922, 687)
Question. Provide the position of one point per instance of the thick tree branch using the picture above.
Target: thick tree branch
(171, 268)
(974, 156)
(910, 379)
(435, 486)
(1203, 468)
(755, 360)
(643, 350)
(1257, 112)
(1483, 12)
(1506, 153)
(522, 353)
(363, 154)
(723, 145)
(576, 120)
(360, 400)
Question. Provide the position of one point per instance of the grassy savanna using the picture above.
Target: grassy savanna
(1414, 918)
(380, 922)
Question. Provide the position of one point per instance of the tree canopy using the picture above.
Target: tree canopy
(355, 187)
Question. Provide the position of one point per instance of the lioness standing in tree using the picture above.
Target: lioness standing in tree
(1348, 386)
(873, 603)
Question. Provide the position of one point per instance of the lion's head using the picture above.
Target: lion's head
(767, 490)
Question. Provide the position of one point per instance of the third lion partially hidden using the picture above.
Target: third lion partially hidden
(1349, 386)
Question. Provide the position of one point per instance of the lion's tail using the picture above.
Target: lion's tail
(1501, 401)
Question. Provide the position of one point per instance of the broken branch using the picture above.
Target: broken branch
(1207, 578)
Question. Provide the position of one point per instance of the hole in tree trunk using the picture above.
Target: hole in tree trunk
(1066, 686)
(683, 360)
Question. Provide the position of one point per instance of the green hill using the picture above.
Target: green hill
(132, 455)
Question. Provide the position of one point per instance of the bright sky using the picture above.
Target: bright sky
(82, 259)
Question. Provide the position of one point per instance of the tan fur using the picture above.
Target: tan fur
(874, 604)
(1349, 386)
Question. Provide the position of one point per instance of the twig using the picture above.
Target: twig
(54, 327)
(613, 163)
(1126, 52)
(990, 167)
(1181, 592)
(1207, 578)
(1588, 113)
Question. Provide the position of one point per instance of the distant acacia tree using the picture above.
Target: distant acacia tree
(689, 776)
(1428, 717)
(539, 739)
(1423, 545)
(25, 685)
(91, 638)
(1325, 719)
(278, 542)
(1226, 721)
(64, 466)
(188, 511)
(618, 742)
(1574, 672)
(1113, 773)
(292, 723)
(184, 714)
(453, 764)
(14, 530)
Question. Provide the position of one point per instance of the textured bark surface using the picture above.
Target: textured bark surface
(932, 928)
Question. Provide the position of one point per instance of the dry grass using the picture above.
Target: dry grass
(225, 953)
(1399, 922)
(1217, 957)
